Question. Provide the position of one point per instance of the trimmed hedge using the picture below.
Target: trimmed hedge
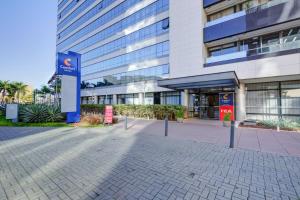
(92, 109)
(139, 111)
(283, 124)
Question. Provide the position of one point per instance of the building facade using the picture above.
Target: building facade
(188, 53)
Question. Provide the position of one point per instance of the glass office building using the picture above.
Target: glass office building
(122, 43)
(188, 53)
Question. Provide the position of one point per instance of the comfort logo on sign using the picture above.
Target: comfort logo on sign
(67, 62)
(225, 96)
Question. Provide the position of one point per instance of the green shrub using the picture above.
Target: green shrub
(140, 111)
(37, 113)
(227, 117)
(92, 108)
(283, 124)
(180, 114)
(2, 110)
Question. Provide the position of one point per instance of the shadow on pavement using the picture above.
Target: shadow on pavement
(9, 133)
(142, 164)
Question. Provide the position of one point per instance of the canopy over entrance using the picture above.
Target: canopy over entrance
(222, 79)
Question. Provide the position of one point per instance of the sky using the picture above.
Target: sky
(27, 40)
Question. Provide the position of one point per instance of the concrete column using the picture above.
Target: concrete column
(185, 102)
(240, 102)
(84, 100)
(95, 99)
(185, 98)
(141, 99)
(115, 99)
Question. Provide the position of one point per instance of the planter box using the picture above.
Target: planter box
(226, 123)
(249, 123)
(180, 120)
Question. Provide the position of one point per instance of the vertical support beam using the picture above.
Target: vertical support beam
(185, 98)
(141, 98)
(96, 101)
(185, 101)
(84, 100)
(115, 100)
(240, 100)
(279, 103)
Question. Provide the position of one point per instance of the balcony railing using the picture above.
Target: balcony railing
(287, 43)
(226, 18)
(230, 56)
(245, 12)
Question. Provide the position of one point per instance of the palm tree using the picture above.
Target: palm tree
(21, 89)
(4, 86)
(12, 91)
(46, 91)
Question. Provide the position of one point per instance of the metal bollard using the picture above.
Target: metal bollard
(166, 126)
(126, 123)
(232, 135)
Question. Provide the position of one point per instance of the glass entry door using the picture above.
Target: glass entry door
(206, 106)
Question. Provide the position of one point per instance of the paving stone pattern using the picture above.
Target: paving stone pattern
(109, 164)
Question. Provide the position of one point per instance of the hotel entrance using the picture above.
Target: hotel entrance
(204, 103)
(207, 96)
(205, 106)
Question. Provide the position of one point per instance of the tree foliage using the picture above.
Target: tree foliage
(12, 91)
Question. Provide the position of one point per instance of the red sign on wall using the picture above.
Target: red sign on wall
(108, 115)
(227, 107)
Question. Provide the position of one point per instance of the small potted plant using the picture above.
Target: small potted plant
(226, 121)
(180, 116)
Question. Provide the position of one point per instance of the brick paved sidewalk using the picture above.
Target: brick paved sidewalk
(271, 141)
(111, 164)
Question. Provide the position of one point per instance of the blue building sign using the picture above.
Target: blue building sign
(68, 66)
(226, 99)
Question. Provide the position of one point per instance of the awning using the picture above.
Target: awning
(222, 79)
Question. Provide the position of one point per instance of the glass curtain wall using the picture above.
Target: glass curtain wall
(131, 99)
(149, 99)
(170, 98)
(273, 100)
(269, 43)
(105, 99)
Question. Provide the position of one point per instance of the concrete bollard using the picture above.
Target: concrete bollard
(166, 126)
(232, 135)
